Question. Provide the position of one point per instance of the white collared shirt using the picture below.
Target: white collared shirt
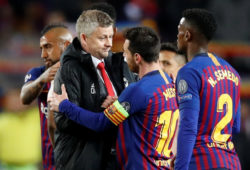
(96, 61)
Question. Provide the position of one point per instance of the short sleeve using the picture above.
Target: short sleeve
(33, 74)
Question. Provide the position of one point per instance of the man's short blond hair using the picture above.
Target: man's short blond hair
(89, 20)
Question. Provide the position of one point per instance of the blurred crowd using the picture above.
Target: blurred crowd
(20, 26)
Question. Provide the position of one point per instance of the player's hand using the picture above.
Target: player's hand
(57, 99)
(172, 163)
(50, 73)
(108, 101)
(50, 93)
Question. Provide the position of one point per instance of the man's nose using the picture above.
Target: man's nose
(44, 54)
(109, 42)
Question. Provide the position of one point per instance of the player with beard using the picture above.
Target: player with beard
(146, 112)
(54, 40)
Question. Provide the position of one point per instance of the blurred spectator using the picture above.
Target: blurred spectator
(232, 18)
(137, 10)
(72, 9)
(149, 7)
(19, 135)
(59, 17)
(6, 21)
(242, 139)
(133, 12)
(55, 17)
(169, 13)
(245, 113)
(18, 43)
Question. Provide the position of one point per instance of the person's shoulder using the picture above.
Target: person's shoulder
(39, 69)
(169, 78)
(72, 53)
(147, 84)
(224, 63)
(114, 57)
(133, 88)
(134, 93)
(36, 70)
(189, 72)
(69, 55)
(197, 64)
(228, 66)
(34, 73)
(116, 54)
(190, 66)
(70, 58)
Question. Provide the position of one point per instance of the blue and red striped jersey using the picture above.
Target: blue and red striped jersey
(147, 115)
(47, 149)
(208, 91)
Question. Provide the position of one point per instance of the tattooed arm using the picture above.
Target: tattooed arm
(33, 88)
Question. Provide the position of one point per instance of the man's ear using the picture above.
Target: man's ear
(137, 58)
(66, 44)
(188, 35)
(83, 39)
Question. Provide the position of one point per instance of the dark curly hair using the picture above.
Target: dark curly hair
(172, 46)
(202, 20)
(145, 41)
(169, 46)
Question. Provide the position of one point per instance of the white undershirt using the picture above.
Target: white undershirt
(96, 61)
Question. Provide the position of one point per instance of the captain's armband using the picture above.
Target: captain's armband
(116, 113)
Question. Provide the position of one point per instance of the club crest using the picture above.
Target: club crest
(112, 109)
(27, 77)
(182, 87)
(126, 106)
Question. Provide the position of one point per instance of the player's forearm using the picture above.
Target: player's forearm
(30, 91)
(51, 125)
(92, 120)
(186, 138)
(51, 131)
(174, 145)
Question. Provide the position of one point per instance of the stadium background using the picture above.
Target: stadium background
(22, 20)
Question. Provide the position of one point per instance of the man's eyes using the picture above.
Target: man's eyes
(165, 63)
(102, 38)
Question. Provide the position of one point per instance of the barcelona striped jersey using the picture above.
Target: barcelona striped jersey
(47, 150)
(146, 114)
(208, 91)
